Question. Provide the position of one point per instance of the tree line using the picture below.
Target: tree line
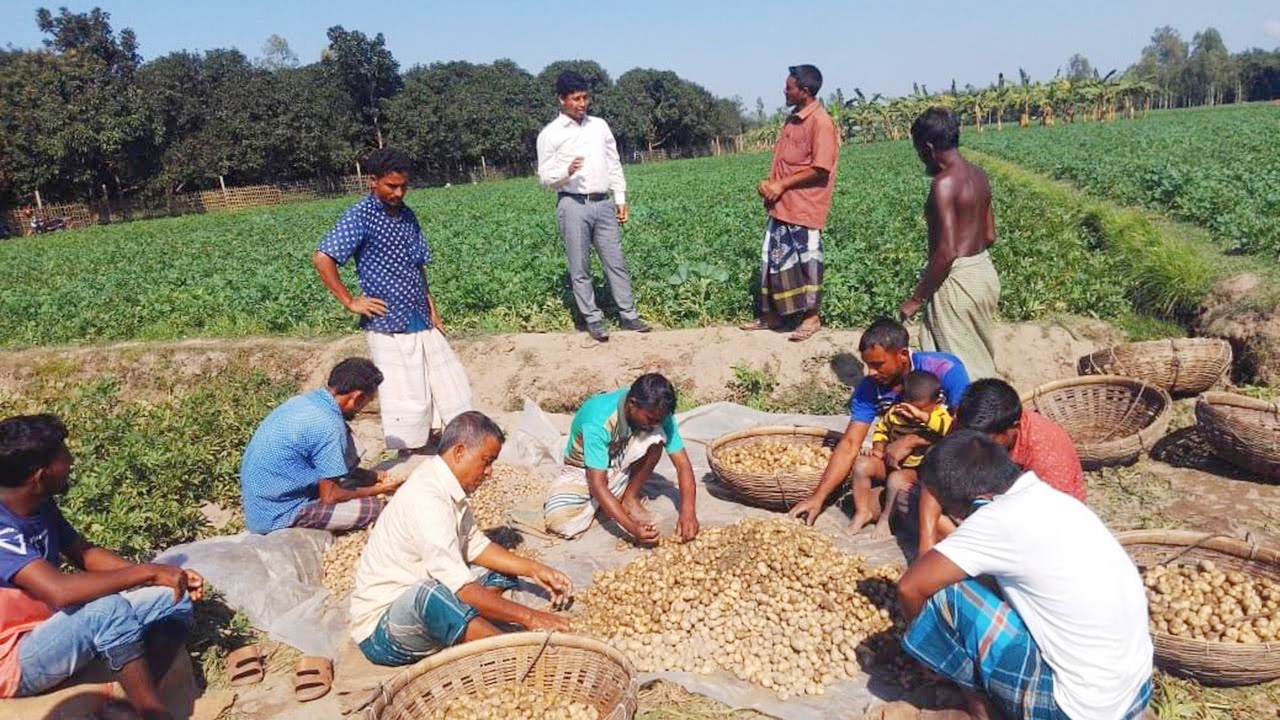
(1169, 73)
(85, 116)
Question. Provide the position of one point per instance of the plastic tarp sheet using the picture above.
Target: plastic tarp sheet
(276, 579)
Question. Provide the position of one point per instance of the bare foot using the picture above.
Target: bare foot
(881, 531)
(636, 511)
(859, 521)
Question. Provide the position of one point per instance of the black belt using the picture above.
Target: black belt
(593, 197)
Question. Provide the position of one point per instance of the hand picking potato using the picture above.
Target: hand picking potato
(1203, 602)
(771, 601)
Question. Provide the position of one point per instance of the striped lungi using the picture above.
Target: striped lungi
(977, 640)
(336, 517)
(424, 385)
(959, 317)
(791, 269)
(569, 509)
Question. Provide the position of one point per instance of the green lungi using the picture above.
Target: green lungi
(959, 318)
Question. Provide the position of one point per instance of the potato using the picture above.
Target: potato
(771, 601)
(1203, 602)
(766, 455)
(518, 702)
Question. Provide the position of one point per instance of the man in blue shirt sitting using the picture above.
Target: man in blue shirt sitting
(885, 351)
(301, 469)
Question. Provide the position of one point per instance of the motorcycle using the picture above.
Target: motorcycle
(45, 225)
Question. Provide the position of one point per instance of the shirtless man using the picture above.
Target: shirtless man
(958, 289)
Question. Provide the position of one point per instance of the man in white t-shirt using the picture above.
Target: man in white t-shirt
(416, 591)
(1069, 638)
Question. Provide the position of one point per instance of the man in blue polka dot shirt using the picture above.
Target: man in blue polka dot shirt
(425, 385)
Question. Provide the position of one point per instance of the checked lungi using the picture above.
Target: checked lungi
(570, 509)
(972, 636)
(791, 269)
(334, 517)
(424, 385)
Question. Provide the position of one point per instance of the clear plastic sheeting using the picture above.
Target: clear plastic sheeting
(276, 579)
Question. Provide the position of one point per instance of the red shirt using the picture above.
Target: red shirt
(1045, 449)
(809, 139)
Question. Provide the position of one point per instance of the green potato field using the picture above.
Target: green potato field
(692, 243)
(1214, 167)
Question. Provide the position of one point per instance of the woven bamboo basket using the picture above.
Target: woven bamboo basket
(577, 667)
(775, 490)
(1242, 430)
(1111, 419)
(1210, 663)
(1182, 366)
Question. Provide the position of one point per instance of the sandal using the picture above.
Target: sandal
(245, 666)
(312, 678)
(756, 324)
(804, 332)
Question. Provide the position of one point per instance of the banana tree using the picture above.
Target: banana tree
(1025, 97)
(864, 114)
(1000, 101)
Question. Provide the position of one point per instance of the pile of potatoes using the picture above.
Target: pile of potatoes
(507, 487)
(767, 456)
(518, 702)
(771, 601)
(1202, 602)
(340, 561)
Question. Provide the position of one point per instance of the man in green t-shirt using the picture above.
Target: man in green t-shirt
(614, 443)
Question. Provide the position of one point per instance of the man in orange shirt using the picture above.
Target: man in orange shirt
(797, 196)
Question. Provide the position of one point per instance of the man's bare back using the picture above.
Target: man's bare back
(960, 194)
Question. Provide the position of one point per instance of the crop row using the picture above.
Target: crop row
(1217, 168)
(692, 243)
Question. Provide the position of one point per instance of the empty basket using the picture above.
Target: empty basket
(1182, 366)
(1111, 419)
(1242, 430)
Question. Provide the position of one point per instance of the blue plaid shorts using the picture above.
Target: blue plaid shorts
(424, 620)
(972, 636)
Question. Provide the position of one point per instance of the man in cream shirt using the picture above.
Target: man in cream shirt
(416, 589)
(578, 158)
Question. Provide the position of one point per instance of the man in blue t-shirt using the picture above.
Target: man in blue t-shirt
(132, 616)
(885, 351)
(301, 468)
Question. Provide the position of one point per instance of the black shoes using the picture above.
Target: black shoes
(597, 332)
(635, 324)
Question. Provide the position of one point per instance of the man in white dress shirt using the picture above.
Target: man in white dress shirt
(578, 157)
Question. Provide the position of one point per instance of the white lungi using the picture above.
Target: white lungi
(424, 385)
(570, 508)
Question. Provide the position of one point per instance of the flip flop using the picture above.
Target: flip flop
(804, 332)
(755, 325)
(245, 666)
(312, 678)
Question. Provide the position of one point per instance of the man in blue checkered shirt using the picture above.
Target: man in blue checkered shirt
(301, 469)
(425, 384)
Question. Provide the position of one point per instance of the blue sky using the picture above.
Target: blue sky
(731, 48)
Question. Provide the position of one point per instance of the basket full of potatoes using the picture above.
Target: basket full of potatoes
(772, 467)
(1214, 603)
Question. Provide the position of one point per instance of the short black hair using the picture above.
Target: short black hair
(937, 126)
(469, 430)
(808, 77)
(653, 391)
(921, 386)
(989, 406)
(28, 443)
(355, 373)
(885, 333)
(387, 160)
(569, 82)
(966, 465)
